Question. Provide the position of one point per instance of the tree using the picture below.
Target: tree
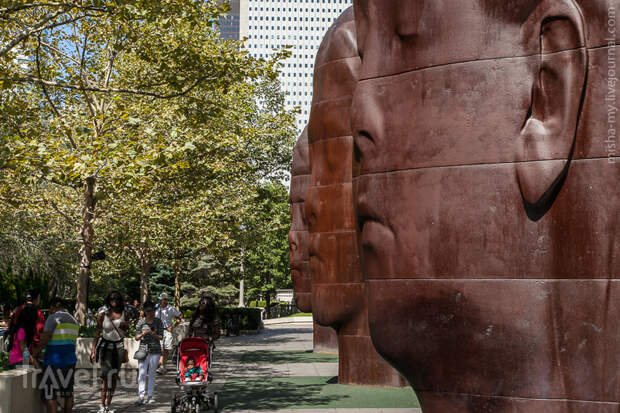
(266, 242)
(103, 99)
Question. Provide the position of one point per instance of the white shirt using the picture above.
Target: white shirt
(166, 315)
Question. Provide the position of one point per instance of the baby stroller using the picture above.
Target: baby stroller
(194, 377)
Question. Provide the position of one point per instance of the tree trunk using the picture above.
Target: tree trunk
(86, 247)
(145, 264)
(241, 293)
(177, 284)
(242, 283)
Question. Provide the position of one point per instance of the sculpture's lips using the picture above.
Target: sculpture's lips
(366, 215)
(299, 284)
(294, 274)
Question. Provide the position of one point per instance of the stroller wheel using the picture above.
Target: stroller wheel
(216, 403)
(173, 407)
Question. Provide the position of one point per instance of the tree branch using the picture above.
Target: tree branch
(8, 10)
(47, 96)
(60, 85)
(41, 26)
(62, 214)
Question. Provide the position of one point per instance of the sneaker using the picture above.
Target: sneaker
(140, 401)
(102, 409)
(161, 370)
(150, 400)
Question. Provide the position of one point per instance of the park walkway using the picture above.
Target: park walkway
(268, 372)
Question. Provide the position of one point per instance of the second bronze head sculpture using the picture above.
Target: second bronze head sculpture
(324, 338)
(487, 201)
(338, 287)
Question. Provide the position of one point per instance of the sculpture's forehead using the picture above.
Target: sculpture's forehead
(340, 40)
(396, 36)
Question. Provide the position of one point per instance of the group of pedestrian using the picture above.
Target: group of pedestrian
(30, 334)
(154, 332)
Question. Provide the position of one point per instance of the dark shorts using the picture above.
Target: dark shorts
(57, 382)
(111, 359)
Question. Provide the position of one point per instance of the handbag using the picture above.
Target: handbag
(140, 354)
(124, 352)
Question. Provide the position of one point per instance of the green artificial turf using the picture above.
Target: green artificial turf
(287, 357)
(309, 393)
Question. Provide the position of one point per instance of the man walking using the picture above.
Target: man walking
(170, 317)
(58, 338)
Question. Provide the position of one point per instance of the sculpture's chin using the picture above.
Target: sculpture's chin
(335, 304)
(303, 301)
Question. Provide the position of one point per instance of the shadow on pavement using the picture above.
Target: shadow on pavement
(282, 357)
(273, 394)
(273, 335)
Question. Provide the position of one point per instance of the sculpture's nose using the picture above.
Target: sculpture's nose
(366, 127)
(311, 209)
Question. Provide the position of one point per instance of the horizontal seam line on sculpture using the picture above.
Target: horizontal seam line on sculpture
(336, 61)
(362, 173)
(389, 278)
(336, 184)
(347, 97)
(489, 59)
(524, 398)
(331, 138)
(344, 231)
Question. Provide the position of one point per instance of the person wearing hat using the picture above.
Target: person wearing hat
(170, 317)
(149, 332)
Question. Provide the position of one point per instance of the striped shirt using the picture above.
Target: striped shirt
(60, 350)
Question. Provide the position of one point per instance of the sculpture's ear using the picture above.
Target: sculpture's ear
(550, 128)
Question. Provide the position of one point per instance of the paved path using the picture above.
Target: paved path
(226, 366)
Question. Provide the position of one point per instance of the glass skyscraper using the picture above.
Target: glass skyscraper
(271, 24)
(229, 24)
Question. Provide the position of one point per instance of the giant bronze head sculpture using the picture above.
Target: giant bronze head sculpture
(487, 201)
(324, 338)
(338, 288)
(298, 235)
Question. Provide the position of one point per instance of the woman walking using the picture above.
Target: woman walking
(21, 337)
(205, 322)
(110, 350)
(149, 331)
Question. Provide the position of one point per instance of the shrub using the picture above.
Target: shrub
(87, 331)
(4, 361)
(249, 318)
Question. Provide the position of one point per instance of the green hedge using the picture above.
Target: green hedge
(249, 318)
(261, 304)
(4, 361)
